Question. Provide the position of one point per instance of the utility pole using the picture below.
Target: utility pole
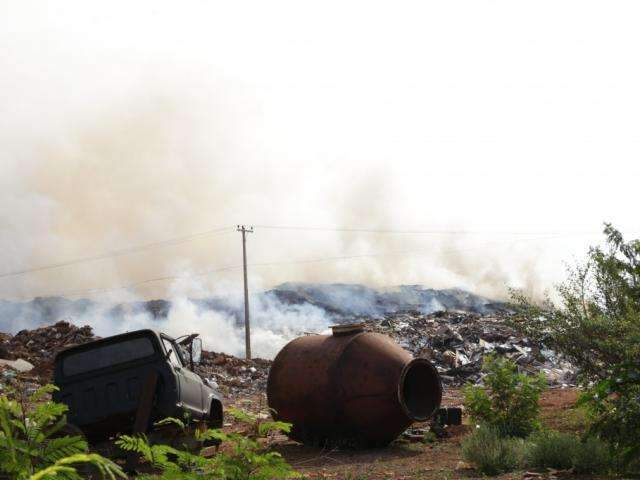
(247, 326)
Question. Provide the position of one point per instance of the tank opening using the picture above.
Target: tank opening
(420, 390)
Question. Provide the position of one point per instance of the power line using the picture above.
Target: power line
(118, 253)
(187, 238)
(421, 231)
(99, 291)
(393, 254)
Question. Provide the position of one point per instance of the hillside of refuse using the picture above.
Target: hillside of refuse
(337, 302)
(453, 341)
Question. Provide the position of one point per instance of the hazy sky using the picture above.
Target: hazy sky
(125, 123)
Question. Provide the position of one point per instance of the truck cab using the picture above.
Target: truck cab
(125, 383)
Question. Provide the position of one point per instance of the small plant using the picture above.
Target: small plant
(174, 463)
(31, 446)
(593, 456)
(508, 401)
(243, 457)
(551, 449)
(492, 453)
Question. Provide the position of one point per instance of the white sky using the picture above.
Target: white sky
(497, 116)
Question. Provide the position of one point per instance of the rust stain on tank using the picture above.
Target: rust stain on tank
(351, 388)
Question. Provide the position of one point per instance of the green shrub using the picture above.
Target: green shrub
(593, 456)
(31, 446)
(596, 325)
(491, 453)
(508, 401)
(551, 449)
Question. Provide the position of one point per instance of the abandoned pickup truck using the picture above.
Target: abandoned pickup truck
(125, 383)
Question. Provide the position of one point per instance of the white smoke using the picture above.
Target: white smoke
(115, 135)
(273, 323)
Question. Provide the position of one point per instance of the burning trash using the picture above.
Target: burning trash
(351, 388)
(235, 377)
(456, 342)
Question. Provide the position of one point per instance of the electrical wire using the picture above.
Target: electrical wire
(223, 230)
(220, 230)
(118, 253)
(100, 291)
(419, 231)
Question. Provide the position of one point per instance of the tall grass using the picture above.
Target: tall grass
(493, 454)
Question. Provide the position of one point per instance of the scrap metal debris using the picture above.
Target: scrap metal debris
(455, 342)
(39, 346)
(235, 376)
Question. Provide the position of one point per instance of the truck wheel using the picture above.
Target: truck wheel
(216, 415)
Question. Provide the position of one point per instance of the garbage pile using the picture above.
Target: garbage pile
(456, 342)
(235, 376)
(40, 346)
(29, 354)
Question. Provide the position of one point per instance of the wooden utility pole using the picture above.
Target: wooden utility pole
(247, 326)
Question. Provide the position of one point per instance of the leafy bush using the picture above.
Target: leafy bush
(244, 457)
(31, 446)
(491, 453)
(597, 327)
(508, 401)
(593, 456)
(550, 449)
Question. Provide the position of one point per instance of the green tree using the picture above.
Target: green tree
(596, 325)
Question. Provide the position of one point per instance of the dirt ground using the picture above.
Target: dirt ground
(441, 459)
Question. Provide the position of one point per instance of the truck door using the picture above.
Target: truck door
(190, 383)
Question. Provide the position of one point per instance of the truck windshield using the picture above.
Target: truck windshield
(107, 355)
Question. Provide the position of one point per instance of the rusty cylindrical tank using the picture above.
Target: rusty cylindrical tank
(351, 388)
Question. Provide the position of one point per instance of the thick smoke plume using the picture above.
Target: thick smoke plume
(115, 140)
(158, 170)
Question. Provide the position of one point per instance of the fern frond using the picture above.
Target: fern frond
(40, 393)
(55, 472)
(157, 455)
(57, 448)
(210, 434)
(171, 421)
(160, 457)
(241, 415)
(11, 407)
(17, 424)
(46, 413)
(129, 443)
(267, 427)
(64, 468)
(56, 427)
